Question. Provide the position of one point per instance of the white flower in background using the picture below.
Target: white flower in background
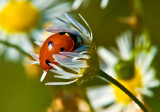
(75, 65)
(78, 3)
(132, 68)
(21, 22)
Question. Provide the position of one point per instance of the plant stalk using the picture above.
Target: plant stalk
(119, 85)
(15, 47)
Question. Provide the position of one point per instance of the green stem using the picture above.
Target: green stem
(115, 82)
(15, 47)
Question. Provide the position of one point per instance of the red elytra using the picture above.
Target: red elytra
(53, 45)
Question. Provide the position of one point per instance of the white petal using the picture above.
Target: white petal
(33, 62)
(62, 58)
(67, 77)
(91, 35)
(149, 76)
(69, 62)
(37, 34)
(12, 54)
(56, 67)
(35, 56)
(24, 43)
(104, 3)
(75, 66)
(57, 30)
(62, 29)
(124, 45)
(63, 21)
(148, 59)
(77, 4)
(108, 58)
(139, 59)
(60, 83)
(39, 43)
(84, 52)
(147, 92)
(129, 106)
(100, 96)
(109, 70)
(2, 49)
(78, 25)
(58, 10)
(43, 76)
(42, 5)
(152, 84)
(72, 54)
(117, 107)
(64, 73)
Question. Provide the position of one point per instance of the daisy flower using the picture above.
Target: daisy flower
(131, 67)
(77, 3)
(78, 61)
(21, 21)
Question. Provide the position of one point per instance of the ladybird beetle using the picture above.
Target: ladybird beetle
(56, 43)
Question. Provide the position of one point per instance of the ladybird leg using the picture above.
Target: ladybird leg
(43, 76)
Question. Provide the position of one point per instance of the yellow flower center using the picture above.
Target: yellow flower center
(131, 85)
(19, 16)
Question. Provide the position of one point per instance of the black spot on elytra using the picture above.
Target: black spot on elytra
(47, 62)
(62, 49)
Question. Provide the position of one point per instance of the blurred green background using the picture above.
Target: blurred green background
(19, 93)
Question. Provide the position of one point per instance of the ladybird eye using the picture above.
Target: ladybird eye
(47, 62)
(62, 33)
(50, 44)
(62, 49)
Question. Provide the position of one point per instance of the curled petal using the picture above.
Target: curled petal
(61, 83)
(91, 35)
(77, 24)
(57, 30)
